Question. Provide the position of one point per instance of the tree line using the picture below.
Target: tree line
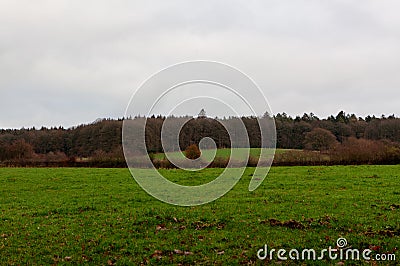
(101, 140)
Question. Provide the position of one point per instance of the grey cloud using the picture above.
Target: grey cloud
(68, 62)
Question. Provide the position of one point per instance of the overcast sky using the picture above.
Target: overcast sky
(70, 62)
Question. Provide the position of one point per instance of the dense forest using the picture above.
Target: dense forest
(101, 140)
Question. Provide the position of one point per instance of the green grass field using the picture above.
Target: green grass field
(223, 153)
(102, 217)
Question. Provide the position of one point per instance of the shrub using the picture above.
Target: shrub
(320, 139)
(219, 162)
(355, 151)
(192, 152)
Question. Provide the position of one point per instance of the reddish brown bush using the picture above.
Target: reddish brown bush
(356, 151)
(18, 150)
(192, 152)
(320, 139)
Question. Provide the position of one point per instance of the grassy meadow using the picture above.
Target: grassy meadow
(102, 217)
(208, 154)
